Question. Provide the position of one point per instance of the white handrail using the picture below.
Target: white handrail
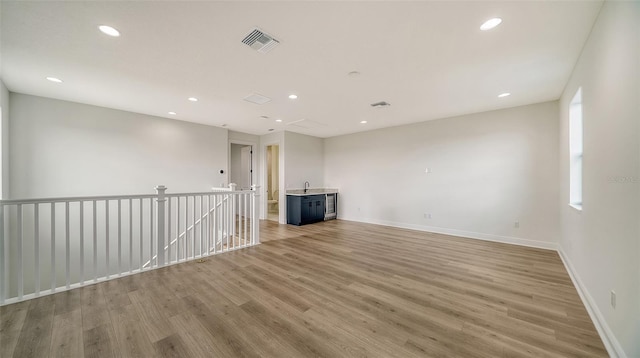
(49, 245)
(75, 199)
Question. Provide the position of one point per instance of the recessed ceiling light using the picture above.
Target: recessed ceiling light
(108, 30)
(270, 129)
(501, 95)
(353, 74)
(293, 96)
(54, 79)
(192, 99)
(278, 120)
(490, 24)
(363, 122)
(172, 113)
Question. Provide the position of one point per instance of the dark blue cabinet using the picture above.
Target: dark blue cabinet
(305, 209)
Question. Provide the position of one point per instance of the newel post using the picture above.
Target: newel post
(161, 199)
(255, 215)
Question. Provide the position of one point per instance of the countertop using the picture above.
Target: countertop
(315, 191)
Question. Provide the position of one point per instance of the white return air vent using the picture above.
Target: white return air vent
(257, 98)
(260, 41)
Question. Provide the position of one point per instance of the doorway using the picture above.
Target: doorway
(273, 182)
(241, 166)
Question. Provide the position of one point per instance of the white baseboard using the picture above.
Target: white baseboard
(608, 338)
(610, 342)
(461, 233)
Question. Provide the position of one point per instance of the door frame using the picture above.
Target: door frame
(282, 205)
(254, 155)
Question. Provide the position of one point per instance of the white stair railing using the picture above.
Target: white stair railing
(55, 244)
(200, 220)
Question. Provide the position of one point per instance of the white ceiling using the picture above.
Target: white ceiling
(428, 59)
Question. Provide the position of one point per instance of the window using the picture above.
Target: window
(2, 163)
(575, 151)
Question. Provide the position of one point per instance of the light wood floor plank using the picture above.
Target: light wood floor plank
(67, 339)
(132, 341)
(172, 346)
(35, 336)
(12, 319)
(100, 341)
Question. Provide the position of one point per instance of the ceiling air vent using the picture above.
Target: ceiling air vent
(380, 104)
(260, 41)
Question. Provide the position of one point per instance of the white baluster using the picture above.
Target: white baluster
(193, 228)
(53, 248)
(36, 246)
(178, 229)
(81, 242)
(19, 255)
(208, 224)
(150, 233)
(169, 240)
(186, 227)
(255, 219)
(95, 242)
(130, 235)
(119, 237)
(201, 225)
(160, 231)
(67, 247)
(106, 213)
(245, 198)
(215, 224)
(140, 238)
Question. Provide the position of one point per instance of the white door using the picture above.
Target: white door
(245, 168)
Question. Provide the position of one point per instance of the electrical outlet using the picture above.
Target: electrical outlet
(427, 215)
(427, 170)
(516, 224)
(613, 298)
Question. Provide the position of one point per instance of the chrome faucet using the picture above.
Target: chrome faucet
(306, 186)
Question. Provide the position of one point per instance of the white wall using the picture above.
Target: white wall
(4, 142)
(489, 170)
(243, 137)
(602, 243)
(304, 157)
(62, 148)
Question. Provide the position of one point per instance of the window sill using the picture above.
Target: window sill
(576, 206)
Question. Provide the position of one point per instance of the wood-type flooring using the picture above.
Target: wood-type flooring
(332, 289)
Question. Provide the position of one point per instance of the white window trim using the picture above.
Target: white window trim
(576, 151)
